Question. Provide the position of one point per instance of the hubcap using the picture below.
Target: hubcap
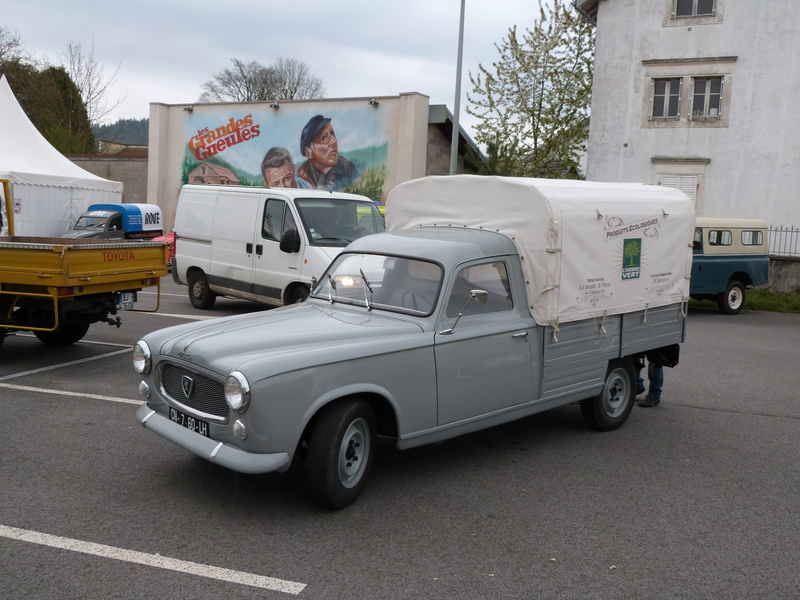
(353, 453)
(616, 394)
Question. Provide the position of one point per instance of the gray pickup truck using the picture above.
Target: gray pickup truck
(419, 334)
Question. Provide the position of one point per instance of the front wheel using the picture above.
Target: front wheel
(731, 301)
(340, 453)
(200, 293)
(297, 294)
(611, 407)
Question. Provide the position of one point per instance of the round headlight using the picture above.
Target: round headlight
(237, 391)
(141, 357)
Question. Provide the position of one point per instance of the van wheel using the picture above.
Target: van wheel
(199, 293)
(340, 453)
(298, 293)
(611, 407)
(64, 335)
(731, 301)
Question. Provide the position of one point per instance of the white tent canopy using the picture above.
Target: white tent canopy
(48, 191)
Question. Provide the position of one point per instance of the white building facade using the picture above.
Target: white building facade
(698, 94)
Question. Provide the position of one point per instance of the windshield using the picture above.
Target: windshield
(87, 221)
(382, 282)
(336, 222)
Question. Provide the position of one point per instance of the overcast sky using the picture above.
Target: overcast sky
(166, 49)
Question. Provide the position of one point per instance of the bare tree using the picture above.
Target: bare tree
(295, 81)
(90, 80)
(11, 49)
(253, 82)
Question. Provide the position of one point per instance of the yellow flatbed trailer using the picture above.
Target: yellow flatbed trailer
(57, 287)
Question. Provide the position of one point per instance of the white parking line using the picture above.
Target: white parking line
(66, 364)
(27, 388)
(153, 560)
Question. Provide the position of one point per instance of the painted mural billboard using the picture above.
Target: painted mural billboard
(343, 149)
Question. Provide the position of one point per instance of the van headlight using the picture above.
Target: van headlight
(141, 357)
(237, 391)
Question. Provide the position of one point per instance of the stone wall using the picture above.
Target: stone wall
(784, 274)
(131, 171)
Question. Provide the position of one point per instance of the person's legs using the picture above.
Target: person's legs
(638, 364)
(656, 376)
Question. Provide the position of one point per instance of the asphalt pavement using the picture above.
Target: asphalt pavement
(696, 498)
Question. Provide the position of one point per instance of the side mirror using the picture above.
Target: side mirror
(290, 241)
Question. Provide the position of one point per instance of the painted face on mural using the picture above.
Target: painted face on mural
(324, 151)
(280, 177)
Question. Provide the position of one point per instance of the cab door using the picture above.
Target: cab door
(274, 269)
(484, 360)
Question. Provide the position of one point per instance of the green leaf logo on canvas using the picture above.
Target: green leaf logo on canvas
(632, 258)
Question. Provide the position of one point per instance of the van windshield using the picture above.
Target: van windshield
(337, 222)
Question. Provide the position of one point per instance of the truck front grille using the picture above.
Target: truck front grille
(191, 390)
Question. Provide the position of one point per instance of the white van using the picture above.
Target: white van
(262, 244)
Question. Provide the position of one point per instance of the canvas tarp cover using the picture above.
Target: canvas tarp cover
(587, 249)
(48, 191)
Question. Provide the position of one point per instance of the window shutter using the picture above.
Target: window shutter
(652, 99)
(685, 183)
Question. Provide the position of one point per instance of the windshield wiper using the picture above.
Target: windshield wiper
(332, 239)
(367, 286)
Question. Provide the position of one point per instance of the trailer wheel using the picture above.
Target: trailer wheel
(64, 335)
(200, 294)
(611, 407)
(340, 453)
(731, 301)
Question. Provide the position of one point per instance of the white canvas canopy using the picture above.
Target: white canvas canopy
(587, 249)
(48, 191)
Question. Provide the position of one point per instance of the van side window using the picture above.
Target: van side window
(720, 237)
(492, 277)
(275, 213)
(752, 238)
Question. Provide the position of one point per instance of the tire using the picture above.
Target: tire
(64, 335)
(611, 407)
(340, 453)
(200, 294)
(298, 293)
(731, 301)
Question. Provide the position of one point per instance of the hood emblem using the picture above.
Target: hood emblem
(187, 385)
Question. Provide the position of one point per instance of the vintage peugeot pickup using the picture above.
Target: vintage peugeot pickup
(489, 299)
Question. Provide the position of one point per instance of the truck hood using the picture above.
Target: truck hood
(287, 338)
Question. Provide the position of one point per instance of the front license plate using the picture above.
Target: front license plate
(192, 423)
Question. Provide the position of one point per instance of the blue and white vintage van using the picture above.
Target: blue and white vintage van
(729, 256)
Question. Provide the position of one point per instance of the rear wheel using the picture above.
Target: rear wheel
(64, 335)
(200, 294)
(611, 407)
(731, 301)
(340, 453)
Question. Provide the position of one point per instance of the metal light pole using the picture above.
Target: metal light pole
(457, 104)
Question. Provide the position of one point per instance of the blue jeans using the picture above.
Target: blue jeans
(655, 375)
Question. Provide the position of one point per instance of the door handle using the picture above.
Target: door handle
(248, 248)
(259, 249)
(521, 335)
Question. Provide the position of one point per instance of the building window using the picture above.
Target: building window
(706, 97)
(695, 8)
(666, 98)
